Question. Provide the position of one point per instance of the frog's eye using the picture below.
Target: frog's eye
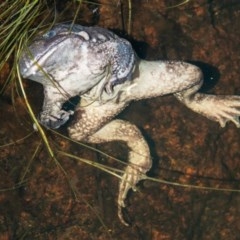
(49, 34)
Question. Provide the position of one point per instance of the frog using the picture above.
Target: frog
(104, 70)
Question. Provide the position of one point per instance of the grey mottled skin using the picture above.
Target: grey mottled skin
(70, 60)
(96, 60)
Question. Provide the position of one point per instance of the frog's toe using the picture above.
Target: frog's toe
(130, 178)
(228, 117)
(122, 217)
(109, 88)
(227, 109)
(55, 120)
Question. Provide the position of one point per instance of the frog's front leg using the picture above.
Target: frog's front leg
(52, 114)
(139, 155)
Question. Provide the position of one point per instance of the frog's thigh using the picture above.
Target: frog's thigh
(90, 118)
(120, 130)
(139, 156)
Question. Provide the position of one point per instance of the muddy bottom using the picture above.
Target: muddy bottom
(61, 197)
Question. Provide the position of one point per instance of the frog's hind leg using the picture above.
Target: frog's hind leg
(219, 108)
(139, 155)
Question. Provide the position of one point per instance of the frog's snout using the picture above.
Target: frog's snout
(23, 64)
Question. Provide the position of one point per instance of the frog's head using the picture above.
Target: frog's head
(44, 51)
(78, 58)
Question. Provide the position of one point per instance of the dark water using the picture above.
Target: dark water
(41, 201)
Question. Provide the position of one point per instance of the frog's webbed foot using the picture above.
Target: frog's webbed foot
(55, 119)
(139, 156)
(219, 108)
(225, 109)
(132, 175)
(57, 107)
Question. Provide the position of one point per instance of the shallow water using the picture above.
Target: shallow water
(41, 202)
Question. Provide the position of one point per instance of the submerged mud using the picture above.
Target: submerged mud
(64, 198)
